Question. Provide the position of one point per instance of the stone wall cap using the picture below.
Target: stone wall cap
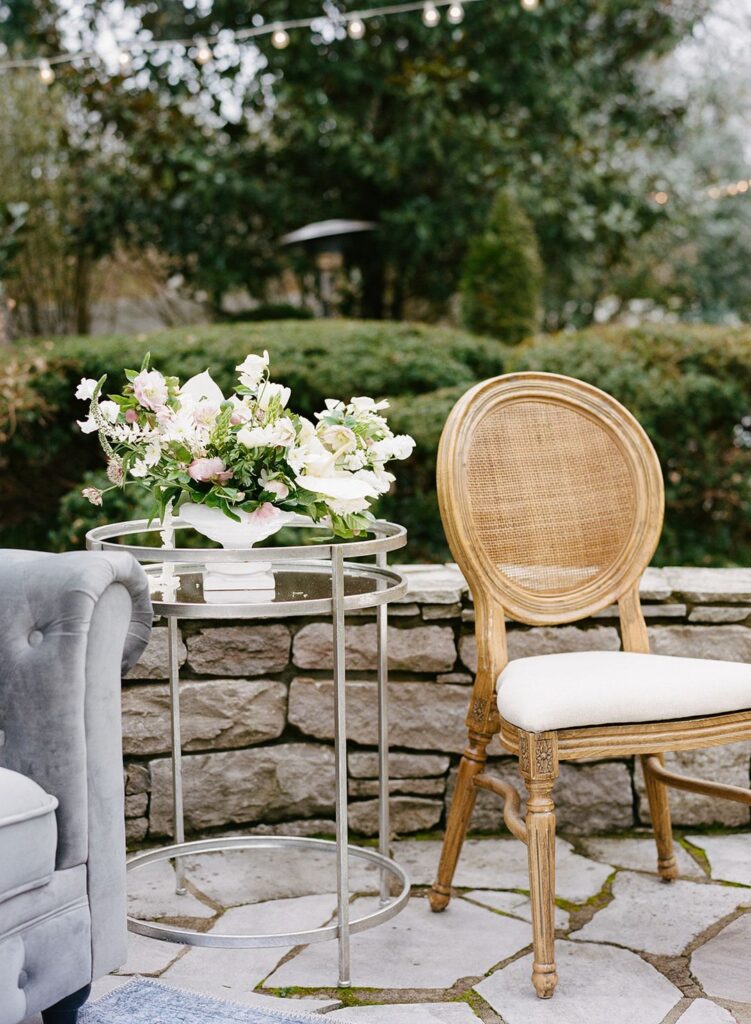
(706, 586)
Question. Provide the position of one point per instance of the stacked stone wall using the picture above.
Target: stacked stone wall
(257, 714)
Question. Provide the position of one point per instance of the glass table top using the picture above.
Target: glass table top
(197, 589)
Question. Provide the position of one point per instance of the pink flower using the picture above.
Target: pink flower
(264, 512)
(206, 471)
(150, 389)
(131, 416)
(92, 494)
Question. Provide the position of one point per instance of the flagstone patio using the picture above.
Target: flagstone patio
(631, 949)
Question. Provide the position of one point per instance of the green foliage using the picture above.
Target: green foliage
(689, 385)
(416, 131)
(271, 311)
(502, 275)
(46, 456)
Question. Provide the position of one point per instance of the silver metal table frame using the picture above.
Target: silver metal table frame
(325, 557)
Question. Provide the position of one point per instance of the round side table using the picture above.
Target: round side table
(308, 579)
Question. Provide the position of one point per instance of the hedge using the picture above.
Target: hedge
(45, 457)
(689, 385)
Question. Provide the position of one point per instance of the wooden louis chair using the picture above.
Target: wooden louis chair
(552, 500)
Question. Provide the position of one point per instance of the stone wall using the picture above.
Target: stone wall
(257, 704)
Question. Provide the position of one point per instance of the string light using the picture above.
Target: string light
(46, 74)
(203, 51)
(430, 15)
(732, 188)
(124, 61)
(278, 33)
(356, 28)
(280, 38)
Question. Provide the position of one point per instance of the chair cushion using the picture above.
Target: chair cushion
(28, 834)
(564, 691)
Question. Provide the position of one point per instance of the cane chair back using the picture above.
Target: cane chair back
(551, 496)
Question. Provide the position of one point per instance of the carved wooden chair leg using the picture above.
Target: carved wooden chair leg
(460, 813)
(659, 808)
(538, 762)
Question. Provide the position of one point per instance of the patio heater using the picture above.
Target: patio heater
(327, 240)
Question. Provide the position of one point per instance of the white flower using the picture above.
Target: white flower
(88, 426)
(296, 458)
(317, 460)
(202, 388)
(139, 469)
(337, 438)
(402, 446)
(240, 411)
(252, 369)
(275, 435)
(85, 390)
(344, 506)
(306, 430)
(378, 479)
(153, 454)
(365, 404)
(273, 485)
(110, 411)
(342, 486)
(205, 414)
(270, 391)
(92, 494)
(332, 405)
(353, 461)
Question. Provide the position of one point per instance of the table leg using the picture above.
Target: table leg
(384, 827)
(177, 768)
(340, 751)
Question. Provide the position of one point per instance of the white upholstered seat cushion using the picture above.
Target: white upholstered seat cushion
(563, 691)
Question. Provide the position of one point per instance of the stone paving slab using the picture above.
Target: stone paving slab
(502, 864)
(151, 895)
(647, 914)
(227, 972)
(415, 950)
(703, 1011)
(729, 856)
(149, 957)
(597, 985)
(721, 964)
(639, 855)
(407, 1013)
(237, 877)
(512, 903)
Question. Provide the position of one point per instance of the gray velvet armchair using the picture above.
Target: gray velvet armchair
(70, 625)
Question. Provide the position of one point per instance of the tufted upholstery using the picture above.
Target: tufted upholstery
(28, 834)
(69, 626)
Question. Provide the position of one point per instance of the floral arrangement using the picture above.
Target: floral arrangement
(248, 455)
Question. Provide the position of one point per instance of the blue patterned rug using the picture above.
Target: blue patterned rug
(142, 1001)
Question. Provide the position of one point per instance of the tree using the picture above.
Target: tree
(502, 275)
(413, 127)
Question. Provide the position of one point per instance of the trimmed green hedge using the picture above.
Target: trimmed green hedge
(689, 385)
(46, 456)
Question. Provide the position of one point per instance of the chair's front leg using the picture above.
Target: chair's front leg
(659, 809)
(538, 763)
(66, 1011)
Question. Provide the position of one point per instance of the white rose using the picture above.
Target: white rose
(110, 411)
(85, 390)
(337, 438)
(252, 369)
(270, 391)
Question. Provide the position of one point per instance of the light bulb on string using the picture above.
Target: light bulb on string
(280, 38)
(430, 15)
(530, 5)
(46, 74)
(203, 51)
(455, 14)
(356, 28)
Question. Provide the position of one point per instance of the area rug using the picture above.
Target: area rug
(142, 1001)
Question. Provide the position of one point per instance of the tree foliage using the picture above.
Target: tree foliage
(413, 127)
(502, 275)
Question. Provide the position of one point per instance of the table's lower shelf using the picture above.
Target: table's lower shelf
(190, 937)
